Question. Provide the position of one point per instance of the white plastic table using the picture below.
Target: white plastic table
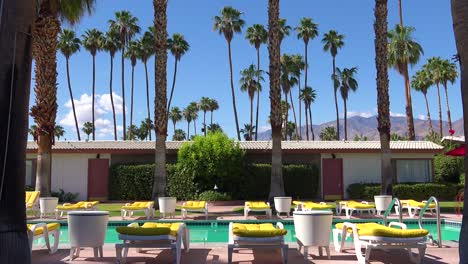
(313, 229)
(48, 205)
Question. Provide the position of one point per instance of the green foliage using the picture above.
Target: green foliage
(28, 188)
(65, 197)
(462, 179)
(448, 169)
(416, 191)
(211, 195)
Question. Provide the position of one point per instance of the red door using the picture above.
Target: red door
(98, 176)
(332, 173)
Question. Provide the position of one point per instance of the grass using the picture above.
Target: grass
(114, 209)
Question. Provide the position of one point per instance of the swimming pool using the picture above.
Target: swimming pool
(217, 231)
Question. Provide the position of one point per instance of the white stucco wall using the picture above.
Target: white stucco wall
(70, 172)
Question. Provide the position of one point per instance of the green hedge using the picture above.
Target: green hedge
(417, 191)
(448, 169)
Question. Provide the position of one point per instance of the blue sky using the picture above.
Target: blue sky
(204, 70)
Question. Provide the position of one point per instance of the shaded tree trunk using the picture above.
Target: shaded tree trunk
(336, 103)
(123, 94)
(409, 106)
(94, 92)
(428, 114)
(311, 124)
(449, 118)
(400, 12)
(307, 120)
(188, 130)
(294, 113)
(251, 118)
(441, 131)
(299, 102)
(195, 127)
(258, 96)
(147, 100)
(173, 84)
(204, 123)
(345, 120)
(286, 117)
(72, 101)
(112, 95)
(211, 118)
(15, 80)
(131, 102)
(233, 93)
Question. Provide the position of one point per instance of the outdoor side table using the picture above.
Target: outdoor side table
(167, 205)
(313, 229)
(87, 229)
(283, 205)
(48, 205)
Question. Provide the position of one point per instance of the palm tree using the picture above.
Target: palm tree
(288, 80)
(400, 12)
(421, 82)
(213, 107)
(127, 26)
(383, 101)
(308, 95)
(250, 83)
(460, 27)
(227, 24)
(290, 129)
(449, 74)
(299, 65)
(403, 50)
(284, 29)
(193, 108)
(348, 84)
(44, 50)
(175, 115)
(434, 67)
(33, 132)
(143, 130)
(133, 53)
(179, 135)
(204, 105)
(328, 134)
(88, 129)
(147, 50)
(178, 46)
(59, 132)
(111, 43)
(274, 54)
(132, 133)
(68, 45)
(92, 42)
(247, 132)
(215, 127)
(333, 41)
(257, 35)
(187, 113)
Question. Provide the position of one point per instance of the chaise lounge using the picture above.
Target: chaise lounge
(257, 207)
(360, 207)
(195, 206)
(309, 205)
(414, 207)
(79, 206)
(32, 202)
(130, 208)
(42, 230)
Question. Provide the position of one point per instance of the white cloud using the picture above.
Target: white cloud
(422, 117)
(366, 114)
(392, 114)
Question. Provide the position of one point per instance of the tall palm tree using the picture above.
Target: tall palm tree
(288, 80)
(178, 46)
(460, 27)
(187, 113)
(257, 35)
(227, 24)
(274, 54)
(88, 128)
(421, 82)
(434, 67)
(160, 123)
(175, 115)
(68, 45)
(204, 105)
(250, 83)
(179, 135)
(308, 95)
(213, 107)
(284, 29)
(92, 42)
(333, 41)
(45, 42)
(147, 50)
(33, 132)
(403, 50)
(247, 132)
(145, 126)
(194, 108)
(449, 74)
(59, 132)
(383, 100)
(348, 84)
(111, 43)
(133, 53)
(127, 26)
(400, 12)
(298, 67)
(328, 134)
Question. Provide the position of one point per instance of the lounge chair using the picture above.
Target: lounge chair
(43, 230)
(257, 236)
(351, 206)
(376, 236)
(153, 235)
(414, 207)
(32, 202)
(257, 207)
(79, 206)
(308, 205)
(130, 208)
(195, 206)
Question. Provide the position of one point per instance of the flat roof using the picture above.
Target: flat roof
(148, 147)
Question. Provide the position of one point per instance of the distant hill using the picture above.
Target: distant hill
(368, 127)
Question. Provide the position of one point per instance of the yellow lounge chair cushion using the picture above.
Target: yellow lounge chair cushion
(414, 203)
(150, 229)
(40, 230)
(31, 198)
(79, 205)
(374, 229)
(358, 205)
(194, 205)
(137, 206)
(318, 206)
(257, 205)
(257, 230)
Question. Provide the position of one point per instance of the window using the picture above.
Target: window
(30, 173)
(412, 170)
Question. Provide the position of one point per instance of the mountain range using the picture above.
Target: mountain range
(367, 127)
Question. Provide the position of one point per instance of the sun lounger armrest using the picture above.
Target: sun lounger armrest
(347, 225)
(401, 225)
(184, 203)
(29, 204)
(66, 204)
(268, 203)
(134, 224)
(88, 205)
(150, 205)
(181, 231)
(33, 228)
(365, 202)
(279, 225)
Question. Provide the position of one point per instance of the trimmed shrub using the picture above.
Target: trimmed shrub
(211, 195)
(448, 169)
(65, 197)
(462, 179)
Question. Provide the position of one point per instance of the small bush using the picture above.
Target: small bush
(28, 188)
(211, 195)
(65, 197)
(462, 179)
(448, 169)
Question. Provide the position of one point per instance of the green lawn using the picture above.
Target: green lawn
(114, 209)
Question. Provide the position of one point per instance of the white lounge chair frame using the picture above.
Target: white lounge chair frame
(45, 234)
(248, 209)
(186, 210)
(375, 242)
(88, 207)
(163, 241)
(149, 211)
(257, 242)
(35, 206)
(413, 210)
(349, 211)
(300, 207)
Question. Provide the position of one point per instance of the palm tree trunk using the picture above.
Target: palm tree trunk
(311, 124)
(123, 94)
(383, 101)
(15, 75)
(147, 100)
(251, 118)
(72, 102)
(409, 106)
(131, 103)
(232, 92)
(306, 71)
(345, 120)
(211, 118)
(204, 123)
(188, 130)
(336, 103)
(286, 117)
(400, 11)
(195, 127)
(440, 111)
(94, 92)
(460, 27)
(449, 118)
(294, 114)
(307, 121)
(173, 84)
(112, 96)
(174, 124)
(428, 114)
(258, 96)
(300, 106)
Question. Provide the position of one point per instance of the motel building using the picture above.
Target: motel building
(83, 167)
